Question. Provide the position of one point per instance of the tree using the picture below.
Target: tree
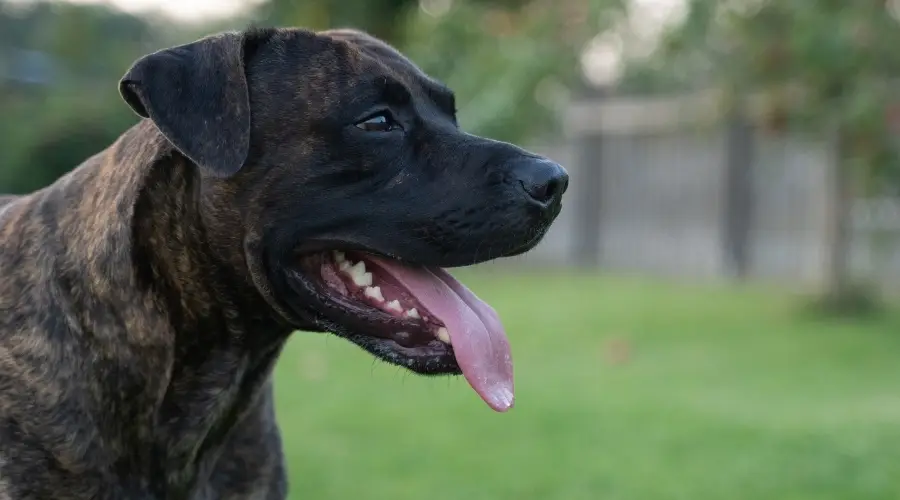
(826, 67)
(382, 18)
(75, 111)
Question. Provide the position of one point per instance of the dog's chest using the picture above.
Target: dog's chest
(208, 406)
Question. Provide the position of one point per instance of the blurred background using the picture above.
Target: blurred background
(713, 315)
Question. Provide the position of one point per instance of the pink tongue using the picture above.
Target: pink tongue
(479, 342)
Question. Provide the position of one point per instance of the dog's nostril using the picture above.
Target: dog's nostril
(542, 181)
(542, 192)
(548, 187)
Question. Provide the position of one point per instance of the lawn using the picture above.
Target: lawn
(625, 389)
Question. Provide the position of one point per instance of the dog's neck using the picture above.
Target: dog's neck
(192, 245)
(140, 206)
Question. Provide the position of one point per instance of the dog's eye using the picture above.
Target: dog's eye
(382, 122)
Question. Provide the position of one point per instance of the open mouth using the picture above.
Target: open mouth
(414, 316)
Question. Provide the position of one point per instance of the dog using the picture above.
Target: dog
(277, 180)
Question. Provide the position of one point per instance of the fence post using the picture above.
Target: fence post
(588, 148)
(840, 196)
(740, 147)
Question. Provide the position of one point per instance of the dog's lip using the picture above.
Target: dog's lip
(373, 329)
(317, 246)
(357, 315)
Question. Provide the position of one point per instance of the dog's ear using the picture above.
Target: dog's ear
(197, 96)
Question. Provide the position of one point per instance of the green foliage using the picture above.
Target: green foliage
(625, 390)
(57, 140)
(496, 60)
(840, 55)
(379, 17)
(48, 129)
(87, 42)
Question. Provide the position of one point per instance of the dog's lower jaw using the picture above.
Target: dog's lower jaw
(415, 316)
(271, 286)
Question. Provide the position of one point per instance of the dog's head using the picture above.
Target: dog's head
(349, 186)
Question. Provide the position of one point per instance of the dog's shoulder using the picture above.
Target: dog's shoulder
(64, 256)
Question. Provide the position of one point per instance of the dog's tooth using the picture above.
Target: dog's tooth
(412, 313)
(361, 280)
(339, 256)
(394, 305)
(374, 292)
(359, 275)
(358, 268)
(345, 266)
(443, 335)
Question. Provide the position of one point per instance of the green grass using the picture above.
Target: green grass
(725, 394)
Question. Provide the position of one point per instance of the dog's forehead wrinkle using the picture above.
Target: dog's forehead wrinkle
(297, 66)
(360, 61)
(382, 58)
(424, 90)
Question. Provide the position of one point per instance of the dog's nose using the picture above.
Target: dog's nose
(542, 180)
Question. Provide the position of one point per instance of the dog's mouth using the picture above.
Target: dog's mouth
(414, 316)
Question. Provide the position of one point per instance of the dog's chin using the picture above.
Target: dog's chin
(353, 297)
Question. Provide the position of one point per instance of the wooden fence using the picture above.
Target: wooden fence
(674, 186)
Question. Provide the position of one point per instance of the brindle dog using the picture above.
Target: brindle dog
(279, 180)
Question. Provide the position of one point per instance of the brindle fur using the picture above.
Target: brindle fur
(136, 339)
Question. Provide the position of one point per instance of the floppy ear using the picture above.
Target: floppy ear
(196, 94)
